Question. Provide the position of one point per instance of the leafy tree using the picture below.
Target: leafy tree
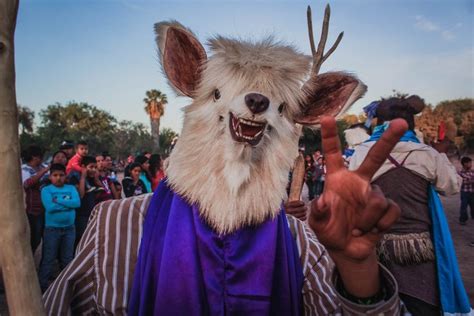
(77, 121)
(166, 136)
(131, 138)
(26, 118)
(155, 101)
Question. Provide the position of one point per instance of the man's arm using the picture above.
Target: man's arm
(351, 215)
(73, 202)
(320, 294)
(447, 180)
(30, 181)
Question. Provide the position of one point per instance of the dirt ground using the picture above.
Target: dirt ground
(462, 236)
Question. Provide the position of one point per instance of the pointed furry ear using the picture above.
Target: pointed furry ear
(331, 94)
(181, 56)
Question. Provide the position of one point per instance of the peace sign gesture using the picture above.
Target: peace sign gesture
(351, 215)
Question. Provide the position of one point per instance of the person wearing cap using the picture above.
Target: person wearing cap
(416, 249)
(67, 146)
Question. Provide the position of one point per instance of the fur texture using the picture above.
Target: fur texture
(233, 183)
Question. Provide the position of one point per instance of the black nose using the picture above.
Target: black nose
(257, 102)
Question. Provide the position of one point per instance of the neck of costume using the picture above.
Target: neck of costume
(186, 268)
(421, 236)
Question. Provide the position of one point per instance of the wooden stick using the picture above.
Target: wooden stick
(16, 259)
(297, 179)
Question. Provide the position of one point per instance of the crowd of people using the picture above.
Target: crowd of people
(60, 195)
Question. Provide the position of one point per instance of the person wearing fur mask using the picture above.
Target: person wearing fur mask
(417, 249)
(214, 237)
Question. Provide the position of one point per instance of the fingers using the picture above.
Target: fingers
(373, 211)
(297, 208)
(331, 144)
(319, 212)
(382, 148)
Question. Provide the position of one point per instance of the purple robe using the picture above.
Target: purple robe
(186, 268)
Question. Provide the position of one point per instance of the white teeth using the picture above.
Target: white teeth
(258, 134)
(251, 123)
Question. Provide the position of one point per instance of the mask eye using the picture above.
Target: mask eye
(281, 108)
(217, 94)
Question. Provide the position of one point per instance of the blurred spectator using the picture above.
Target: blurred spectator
(32, 173)
(133, 185)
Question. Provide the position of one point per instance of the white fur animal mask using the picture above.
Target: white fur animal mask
(240, 134)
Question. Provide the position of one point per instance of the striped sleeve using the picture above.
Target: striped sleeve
(99, 278)
(319, 294)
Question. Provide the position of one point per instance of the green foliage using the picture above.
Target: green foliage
(100, 129)
(77, 121)
(26, 118)
(131, 138)
(166, 136)
(311, 139)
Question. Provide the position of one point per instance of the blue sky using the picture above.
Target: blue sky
(103, 52)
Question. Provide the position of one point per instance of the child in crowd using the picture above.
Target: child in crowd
(467, 190)
(75, 162)
(133, 185)
(89, 186)
(60, 201)
(109, 192)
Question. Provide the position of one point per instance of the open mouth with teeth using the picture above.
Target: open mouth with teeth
(244, 130)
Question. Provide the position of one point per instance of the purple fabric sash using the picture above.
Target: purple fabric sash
(185, 268)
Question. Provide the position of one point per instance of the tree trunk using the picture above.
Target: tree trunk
(16, 258)
(155, 132)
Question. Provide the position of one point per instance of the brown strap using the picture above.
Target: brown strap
(396, 163)
(403, 162)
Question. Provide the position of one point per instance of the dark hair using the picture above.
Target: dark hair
(465, 160)
(106, 154)
(133, 165)
(57, 153)
(82, 142)
(404, 108)
(141, 159)
(87, 160)
(57, 167)
(32, 151)
(155, 160)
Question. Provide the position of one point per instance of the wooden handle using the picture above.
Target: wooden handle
(297, 179)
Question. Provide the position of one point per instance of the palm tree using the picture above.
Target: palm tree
(155, 101)
(25, 118)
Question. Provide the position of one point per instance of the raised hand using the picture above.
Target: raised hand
(351, 215)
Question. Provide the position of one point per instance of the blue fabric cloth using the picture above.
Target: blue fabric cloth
(370, 110)
(146, 182)
(60, 204)
(453, 296)
(409, 135)
(185, 268)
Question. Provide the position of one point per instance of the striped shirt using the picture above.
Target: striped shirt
(99, 279)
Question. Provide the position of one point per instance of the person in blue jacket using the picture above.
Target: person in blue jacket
(60, 201)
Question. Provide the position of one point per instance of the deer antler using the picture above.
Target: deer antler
(318, 55)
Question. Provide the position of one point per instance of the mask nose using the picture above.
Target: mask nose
(256, 102)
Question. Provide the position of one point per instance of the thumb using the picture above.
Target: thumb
(319, 212)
